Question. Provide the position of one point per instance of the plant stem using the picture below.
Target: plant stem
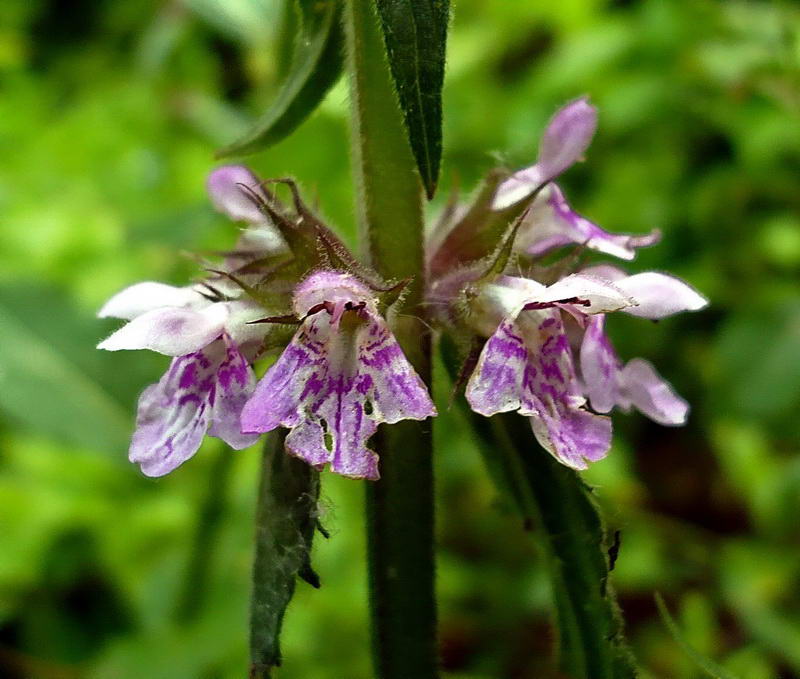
(286, 518)
(556, 501)
(400, 505)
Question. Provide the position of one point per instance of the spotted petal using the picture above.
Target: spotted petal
(202, 390)
(526, 365)
(334, 383)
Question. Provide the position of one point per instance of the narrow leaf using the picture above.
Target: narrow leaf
(554, 501)
(286, 518)
(707, 665)
(316, 66)
(415, 34)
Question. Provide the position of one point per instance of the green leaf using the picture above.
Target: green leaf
(286, 518)
(554, 501)
(707, 665)
(316, 66)
(52, 379)
(415, 34)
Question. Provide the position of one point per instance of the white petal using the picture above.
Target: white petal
(602, 295)
(143, 297)
(238, 325)
(172, 331)
(659, 295)
(517, 187)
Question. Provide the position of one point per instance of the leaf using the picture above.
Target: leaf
(286, 518)
(51, 377)
(707, 665)
(554, 501)
(316, 66)
(415, 35)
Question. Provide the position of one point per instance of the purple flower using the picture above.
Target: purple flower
(607, 381)
(564, 142)
(527, 363)
(551, 223)
(211, 340)
(342, 374)
(234, 191)
(527, 366)
(206, 383)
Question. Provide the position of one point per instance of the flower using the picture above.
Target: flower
(236, 192)
(526, 364)
(607, 381)
(205, 327)
(206, 383)
(551, 223)
(342, 374)
(565, 140)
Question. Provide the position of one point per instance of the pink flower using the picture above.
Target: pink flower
(342, 374)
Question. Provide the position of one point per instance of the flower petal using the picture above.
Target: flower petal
(333, 385)
(564, 142)
(394, 388)
(607, 272)
(659, 295)
(599, 366)
(552, 223)
(573, 435)
(207, 387)
(226, 189)
(137, 299)
(526, 365)
(602, 296)
(173, 416)
(235, 383)
(172, 330)
(643, 388)
(496, 384)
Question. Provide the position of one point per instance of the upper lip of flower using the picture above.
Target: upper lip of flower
(565, 140)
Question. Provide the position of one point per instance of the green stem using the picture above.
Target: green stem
(286, 518)
(400, 505)
(556, 501)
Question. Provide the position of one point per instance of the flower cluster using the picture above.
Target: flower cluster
(290, 285)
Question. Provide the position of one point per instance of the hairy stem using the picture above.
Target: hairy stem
(400, 505)
(286, 518)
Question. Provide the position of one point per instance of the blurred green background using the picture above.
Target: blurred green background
(109, 116)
